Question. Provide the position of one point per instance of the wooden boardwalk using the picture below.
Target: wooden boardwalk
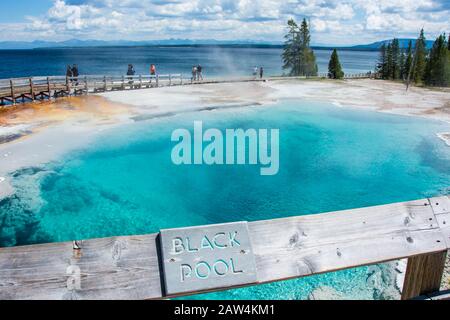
(129, 267)
(21, 90)
(39, 88)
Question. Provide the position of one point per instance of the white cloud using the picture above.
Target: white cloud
(333, 21)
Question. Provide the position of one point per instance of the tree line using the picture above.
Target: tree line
(416, 64)
(298, 57)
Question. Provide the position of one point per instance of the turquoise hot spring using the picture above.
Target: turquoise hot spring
(331, 158)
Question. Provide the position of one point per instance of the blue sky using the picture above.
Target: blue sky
(333, 22)
(23, 8)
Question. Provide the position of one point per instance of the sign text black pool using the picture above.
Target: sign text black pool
(207, 257)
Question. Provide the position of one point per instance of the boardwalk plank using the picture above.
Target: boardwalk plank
(110, 268)
(299, 246)
(128, 267)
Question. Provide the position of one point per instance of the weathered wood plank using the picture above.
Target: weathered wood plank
(129, 267)
(441, 208)
(300, 246)
(29, 272)
(111, 268)
(423, 274)
(440, 205)
(444, 225)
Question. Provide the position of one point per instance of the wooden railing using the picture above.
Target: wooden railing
(130, 267)
(364, 75)
(31, 89)
(21, 90)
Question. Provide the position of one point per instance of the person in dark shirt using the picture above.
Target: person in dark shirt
(75, 73)
(69, 73)
(199, 73)
(261, 72)
(131, 71)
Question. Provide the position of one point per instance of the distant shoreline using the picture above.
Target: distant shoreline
(70, 44)
(238, 46)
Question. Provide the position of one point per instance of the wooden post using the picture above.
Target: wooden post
(423, 274)
(181, 79)
(48, 87)
(170, 80)
(104, 83)
(123, 82)
(68, 85)
(140, 81)
(32, 89)
(157, 81)
(86, 86)
(13, 93)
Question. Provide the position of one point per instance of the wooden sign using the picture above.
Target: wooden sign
(208, 257)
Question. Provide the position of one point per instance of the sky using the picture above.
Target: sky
(333, 22)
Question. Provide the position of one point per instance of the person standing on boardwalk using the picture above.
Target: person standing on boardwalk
(69, 73)
(153, 70)
(130, 73)
(261, 72)
(194, 74)
(199, 73)
(75, 73)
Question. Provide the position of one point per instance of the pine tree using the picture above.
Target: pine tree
(305, 37)
(409, 60)
(334, 67)
(437, 71)
(389, 62)
(382, 62)
(396, 67)
(420, 58)
(297, 55)
(393, 64)
(447, 65)
(291, 48)
(307, 58)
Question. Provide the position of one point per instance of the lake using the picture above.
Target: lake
(216, 61)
